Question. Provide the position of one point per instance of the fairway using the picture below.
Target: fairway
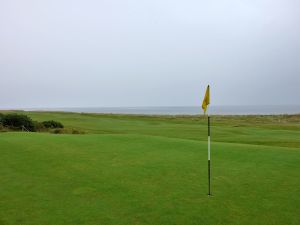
(152, 170)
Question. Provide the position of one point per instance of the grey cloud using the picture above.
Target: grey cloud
(148, 53)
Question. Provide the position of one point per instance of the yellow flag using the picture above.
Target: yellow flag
(206, 100)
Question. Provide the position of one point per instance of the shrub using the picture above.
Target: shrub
(58, 131)
(1, 118)
(75, 131)
(66, 131)
(18, 121)
(52, 124)
(38, 126)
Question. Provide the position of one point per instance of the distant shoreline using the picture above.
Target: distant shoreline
(176, 110)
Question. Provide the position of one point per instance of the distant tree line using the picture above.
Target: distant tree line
(14, 121)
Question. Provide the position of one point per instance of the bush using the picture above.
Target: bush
(1, 118)
(58, 131)
(66, 131)
(18, 121)
(39, 126)
(2, 129)
(52, 124)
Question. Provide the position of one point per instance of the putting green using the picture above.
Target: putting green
(138, 173)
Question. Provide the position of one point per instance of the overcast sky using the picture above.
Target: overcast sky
(64, 53)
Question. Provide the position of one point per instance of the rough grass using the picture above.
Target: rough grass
(152, 170)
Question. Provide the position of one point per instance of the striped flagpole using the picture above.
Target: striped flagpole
(208, 153)
(205, 103)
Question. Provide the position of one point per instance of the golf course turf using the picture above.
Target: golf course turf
(131, 169)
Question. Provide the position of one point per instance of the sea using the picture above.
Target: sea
(182, 110)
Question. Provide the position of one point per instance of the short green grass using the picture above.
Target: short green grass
(152, 170)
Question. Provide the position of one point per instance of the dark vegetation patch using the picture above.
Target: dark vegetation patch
(52, 124)
(16, 121)
(67, 131)
(22, 122)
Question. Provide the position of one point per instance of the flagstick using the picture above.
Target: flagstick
(208, 124)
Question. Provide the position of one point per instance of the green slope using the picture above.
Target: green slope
(281, 130)
(150, 170)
